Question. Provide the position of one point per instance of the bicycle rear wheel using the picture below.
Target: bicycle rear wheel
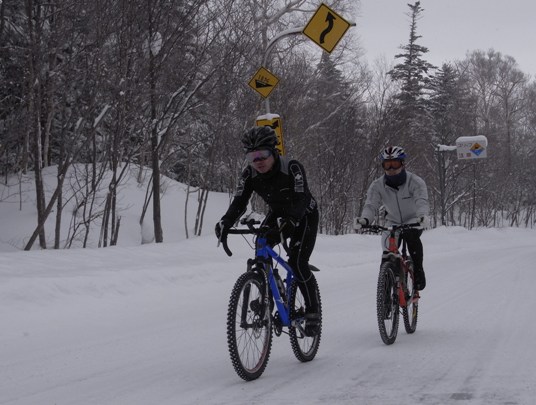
(304, 347)
(249, 327)
(387, 305)
(411, 311)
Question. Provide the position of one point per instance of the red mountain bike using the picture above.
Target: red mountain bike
(396, 285)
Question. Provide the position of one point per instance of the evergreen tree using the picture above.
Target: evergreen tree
(413, 76)
(451, 109)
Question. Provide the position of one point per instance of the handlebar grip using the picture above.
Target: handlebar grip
(249, 221)
(223, 238)
(223, 241)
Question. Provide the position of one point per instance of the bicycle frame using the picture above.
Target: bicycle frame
(264, 252)
(402, 259)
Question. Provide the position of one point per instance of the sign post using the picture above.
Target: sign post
(467, 148)
(326, 28)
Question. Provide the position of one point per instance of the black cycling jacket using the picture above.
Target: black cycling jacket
(284, 188)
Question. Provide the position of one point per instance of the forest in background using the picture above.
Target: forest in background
(95, 87)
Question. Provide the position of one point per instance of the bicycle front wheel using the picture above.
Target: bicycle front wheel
(304, 347)
(411, 310)
(249, 327)
(387, 305)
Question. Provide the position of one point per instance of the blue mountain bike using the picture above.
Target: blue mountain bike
(262, 303)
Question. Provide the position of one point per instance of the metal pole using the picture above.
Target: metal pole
(286, 33)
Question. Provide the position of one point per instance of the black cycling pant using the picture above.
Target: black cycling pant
(415, 249)
(301, 244)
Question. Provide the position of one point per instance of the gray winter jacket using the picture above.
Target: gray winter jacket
(403, 206)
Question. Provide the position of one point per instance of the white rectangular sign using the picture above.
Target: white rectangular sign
(472, 147)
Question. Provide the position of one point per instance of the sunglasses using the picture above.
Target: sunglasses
(258, 155)
(391, 164)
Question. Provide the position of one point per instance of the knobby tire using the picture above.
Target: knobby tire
(387, 305)
(249, 327)
(304, 347)
(411, 311)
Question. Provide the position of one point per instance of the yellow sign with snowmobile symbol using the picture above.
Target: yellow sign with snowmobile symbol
(274, 121)
(326, 28)
(263, 82)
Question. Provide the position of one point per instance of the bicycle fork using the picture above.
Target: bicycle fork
(259, 306)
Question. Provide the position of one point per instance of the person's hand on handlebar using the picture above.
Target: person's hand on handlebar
(360, 223)
(222, 227)
(424, 221)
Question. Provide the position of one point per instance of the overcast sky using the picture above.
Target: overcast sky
(450, 28)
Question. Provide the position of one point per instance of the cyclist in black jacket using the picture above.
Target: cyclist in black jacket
(282, 184)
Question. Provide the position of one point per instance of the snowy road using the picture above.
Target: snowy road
(146, 325)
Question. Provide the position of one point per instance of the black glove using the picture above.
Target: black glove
(288, 225)
(222, 227)
(273, 236)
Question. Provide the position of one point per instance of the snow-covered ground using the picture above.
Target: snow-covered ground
(146, 324)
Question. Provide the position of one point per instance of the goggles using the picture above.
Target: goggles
(391, 164)
(258, 155)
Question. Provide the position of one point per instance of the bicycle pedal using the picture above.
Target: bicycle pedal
(313, 268)
(278, 324)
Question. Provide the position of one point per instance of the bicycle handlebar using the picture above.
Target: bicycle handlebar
(250, 223)
(392, 228)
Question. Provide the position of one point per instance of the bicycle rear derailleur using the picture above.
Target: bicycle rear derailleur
(278, 325)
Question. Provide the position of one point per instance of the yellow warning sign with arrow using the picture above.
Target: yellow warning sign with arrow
(263, 82)
(326, 28)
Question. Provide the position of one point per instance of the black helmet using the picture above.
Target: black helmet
(259, 138)
(393, 153)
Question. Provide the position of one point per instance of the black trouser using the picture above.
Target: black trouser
(415, 249)
(301, 245)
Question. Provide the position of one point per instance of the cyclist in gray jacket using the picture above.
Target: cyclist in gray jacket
(404, 196)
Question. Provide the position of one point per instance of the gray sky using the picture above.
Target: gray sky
(450, 28)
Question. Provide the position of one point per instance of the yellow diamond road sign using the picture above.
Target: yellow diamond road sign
(263, 82)
(326, 28)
